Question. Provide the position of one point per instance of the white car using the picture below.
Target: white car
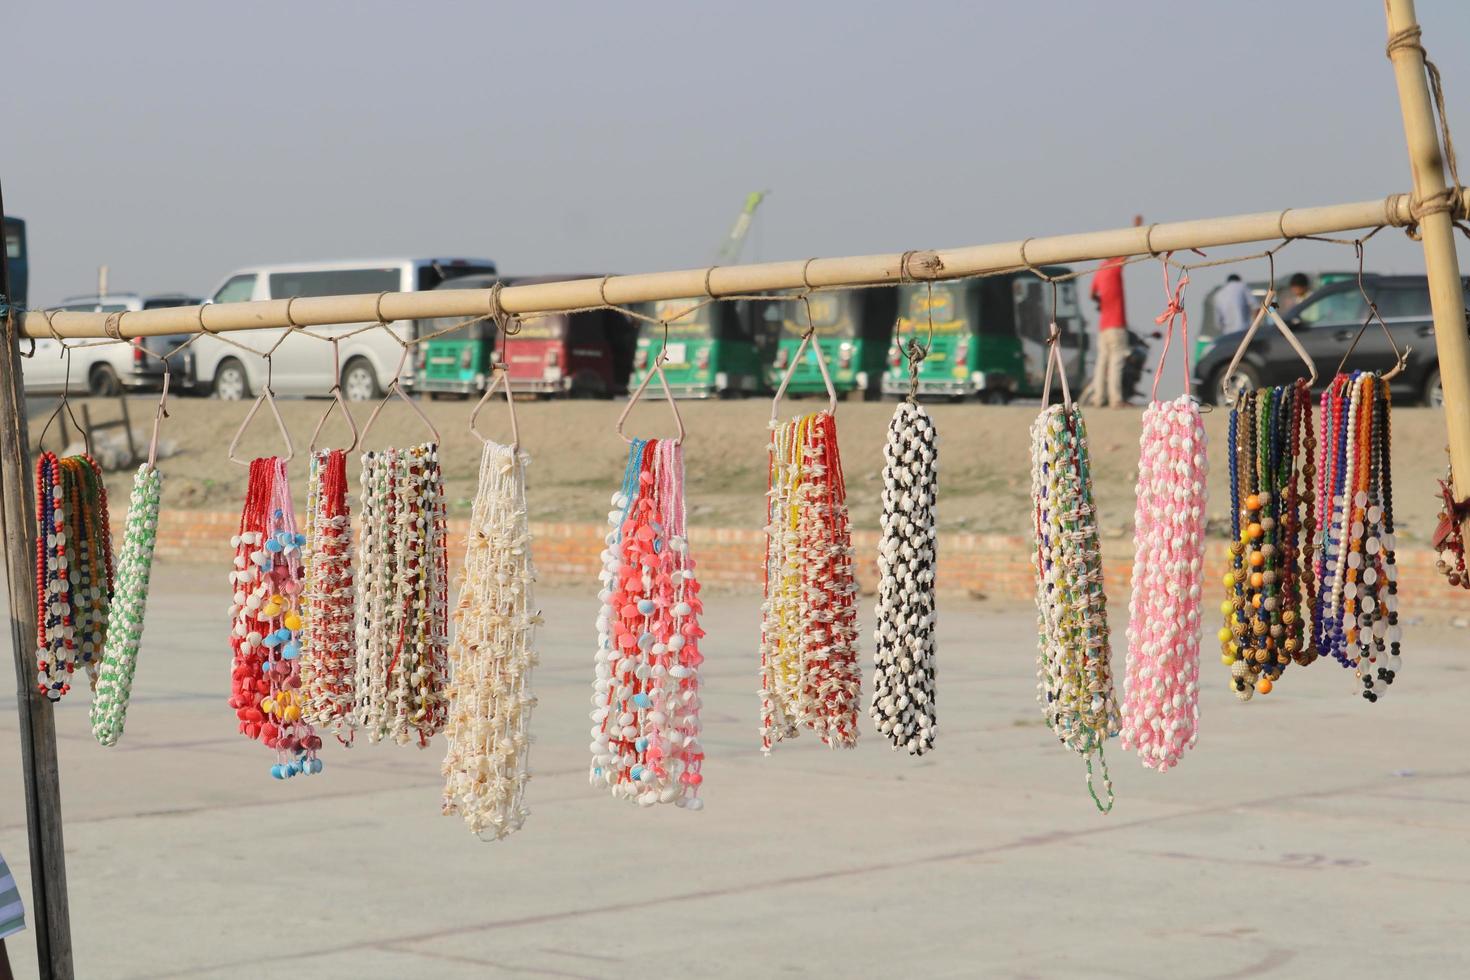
(303, 365)
(111, 369)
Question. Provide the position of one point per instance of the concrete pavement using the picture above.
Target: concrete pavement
(1308, 834)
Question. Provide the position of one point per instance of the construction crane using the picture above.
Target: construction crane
(729, 253)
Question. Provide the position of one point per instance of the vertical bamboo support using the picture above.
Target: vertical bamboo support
(1437, 233)
(49, 914)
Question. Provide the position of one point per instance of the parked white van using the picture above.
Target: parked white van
(303, 365)
(112, 369)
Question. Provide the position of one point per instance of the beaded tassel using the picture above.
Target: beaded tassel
(130, 596)
(1074, 674)
(329, 640)
(645, 703)
(1358, 621)
(402, 597)
(492, 655)
(266, 617)
(1270, 586)
(903, 677)
(74, 572)
(809, 669)
(1161, 698)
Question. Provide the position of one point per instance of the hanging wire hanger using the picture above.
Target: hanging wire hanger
(65, 403)
(1054, 357)
(162, 411)
(268, 396)
(657, 369)
(1269, 309)
(395, 388)
(337, 402)
(808, 340)
(1401, 358)
(506, 326)
(912, 351)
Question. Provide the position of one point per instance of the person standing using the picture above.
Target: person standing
(12, 915)
(1297, 289)
(1234, 306)
(1106, 387)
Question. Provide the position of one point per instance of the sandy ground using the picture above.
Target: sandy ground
(578, 458)
(1308, 834)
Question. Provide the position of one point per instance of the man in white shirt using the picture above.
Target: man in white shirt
(1234, 306)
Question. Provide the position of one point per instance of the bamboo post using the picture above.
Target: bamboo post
(49, 914)
(1437, 232)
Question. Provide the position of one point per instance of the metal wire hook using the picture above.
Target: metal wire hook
(1401, 358)
(268, 397)
(65, 403)
(337, 402)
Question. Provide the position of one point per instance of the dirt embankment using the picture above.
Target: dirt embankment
(577, 458)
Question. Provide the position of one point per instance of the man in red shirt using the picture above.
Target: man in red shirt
(1112, 333)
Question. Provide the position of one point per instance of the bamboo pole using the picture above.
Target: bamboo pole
(50, 917)
(734, 279)
(1437, 233)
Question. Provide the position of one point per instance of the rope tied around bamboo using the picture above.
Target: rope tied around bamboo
(1452, 198)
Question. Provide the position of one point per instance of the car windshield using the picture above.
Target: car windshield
(685, 317)
(920, 304)
(1339, 306)
(831, 315)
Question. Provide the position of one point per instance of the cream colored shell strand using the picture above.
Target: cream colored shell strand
(492, 655)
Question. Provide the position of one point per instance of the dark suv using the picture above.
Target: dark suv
(1325, 323)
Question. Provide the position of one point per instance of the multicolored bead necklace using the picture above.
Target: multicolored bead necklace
(266, 617)
(402, 597)
(1449, 539)
(1074, 673)
(903, 706)
(130, 596)
(329, 638)
(1270, 588)
(809, 668)
(490, 700)
(1358, 603)
(1161, 699)
(74, 572)
(645, 718)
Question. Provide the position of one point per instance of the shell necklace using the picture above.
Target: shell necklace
(130, 596)
(490, 700)
(902, 705)
(645, 717)
(329, 640)
(809, 669)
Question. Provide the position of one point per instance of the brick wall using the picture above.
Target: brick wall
(994, 565)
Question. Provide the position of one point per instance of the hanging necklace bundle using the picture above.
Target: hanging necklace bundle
(1449, 539)
(493, 653)
(1074, 671)
(329, 640)
(1161, 698)
(645, 718)
(1270, 588)
(74, 573)
(1357, 619)
(130, 595)
(402, 596)
(809, 668)
(267, 624)
(904, 670)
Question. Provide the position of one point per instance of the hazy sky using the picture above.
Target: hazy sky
(177, 141)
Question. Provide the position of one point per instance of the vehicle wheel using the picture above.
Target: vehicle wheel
(1245, 379)
(103, 383)
(996, 396)
(360, 381)
(1433, 390)
(231, 384)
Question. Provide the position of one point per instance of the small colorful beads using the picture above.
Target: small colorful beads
(902, 704)
(1074, 672)
(266, 615)
(329, 634)
(490, 700)
(645, 703)
(1449, 537)
(130, 596)
(402, 597)
(74, 571)
(809, 668)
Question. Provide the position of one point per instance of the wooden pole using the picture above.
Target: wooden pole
(49, 915)
(734, 279)
(1437, 233)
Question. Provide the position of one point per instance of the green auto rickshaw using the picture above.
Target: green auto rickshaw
(989, 336)
(852, 328)
(711, 348)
